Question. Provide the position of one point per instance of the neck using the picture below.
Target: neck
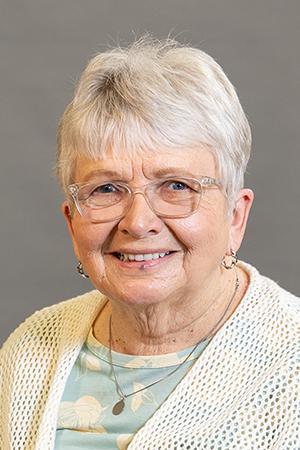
(170, 325)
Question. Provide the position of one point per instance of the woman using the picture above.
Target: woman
(180, 346)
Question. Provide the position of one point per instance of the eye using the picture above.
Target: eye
(105, 194)
(177, 185)
(178, 189)
(107, 188)
(181, 185)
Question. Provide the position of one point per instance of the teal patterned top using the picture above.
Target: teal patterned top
(85, 419)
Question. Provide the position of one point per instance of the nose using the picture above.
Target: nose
(140, 220)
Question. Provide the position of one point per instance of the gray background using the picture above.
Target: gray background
(44, 45)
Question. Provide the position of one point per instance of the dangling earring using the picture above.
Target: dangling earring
(233, 262)
(80, 270)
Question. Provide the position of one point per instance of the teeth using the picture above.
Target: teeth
(148, 256)
(141, 257)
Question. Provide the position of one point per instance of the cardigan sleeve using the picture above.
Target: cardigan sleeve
(34, 362)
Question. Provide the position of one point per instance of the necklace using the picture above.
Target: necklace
(119, 406)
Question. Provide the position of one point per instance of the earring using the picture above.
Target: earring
(233, 262)
(80, 270)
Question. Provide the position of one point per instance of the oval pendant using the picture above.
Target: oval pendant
(118, 407)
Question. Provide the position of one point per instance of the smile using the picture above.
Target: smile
(140, 257)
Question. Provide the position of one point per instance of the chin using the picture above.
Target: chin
(134, 293)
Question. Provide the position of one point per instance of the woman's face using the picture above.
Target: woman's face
(196, 243)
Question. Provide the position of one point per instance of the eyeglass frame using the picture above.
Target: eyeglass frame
(204, 181)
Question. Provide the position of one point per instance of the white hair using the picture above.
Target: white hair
(153, 94)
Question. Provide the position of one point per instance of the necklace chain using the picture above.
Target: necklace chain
(119, 406)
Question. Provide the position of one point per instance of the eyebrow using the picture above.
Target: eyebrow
(97, 172)
(161, 172)
(177, 171)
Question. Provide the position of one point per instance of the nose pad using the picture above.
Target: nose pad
(140, 219)
(143, 194)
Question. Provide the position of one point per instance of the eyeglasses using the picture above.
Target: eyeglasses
(168, 197)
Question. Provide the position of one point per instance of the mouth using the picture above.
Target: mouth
(141, 256)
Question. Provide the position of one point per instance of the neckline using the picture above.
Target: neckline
(141, 361)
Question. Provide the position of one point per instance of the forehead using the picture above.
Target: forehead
(192, 162)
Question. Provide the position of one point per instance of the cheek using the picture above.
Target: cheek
(204, 237)
(91, 243)
(92, 239)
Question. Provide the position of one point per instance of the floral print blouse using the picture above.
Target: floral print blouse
(85, 418)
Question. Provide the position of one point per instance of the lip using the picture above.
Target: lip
(143, 251)
(142, 265)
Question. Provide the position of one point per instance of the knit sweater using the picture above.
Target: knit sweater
(242, 393)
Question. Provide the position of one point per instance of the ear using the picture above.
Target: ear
(239, 218)
(66, 211)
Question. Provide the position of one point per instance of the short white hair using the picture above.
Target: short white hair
(152, 94)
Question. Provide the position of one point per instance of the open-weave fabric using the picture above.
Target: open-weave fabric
(242, 393)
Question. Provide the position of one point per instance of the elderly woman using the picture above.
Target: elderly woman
(180, 345)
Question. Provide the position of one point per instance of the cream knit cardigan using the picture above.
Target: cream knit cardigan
(242, 393)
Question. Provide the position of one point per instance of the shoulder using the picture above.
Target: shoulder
(74, 313)
(290, 306)
(38, 355)
(284, 312)
(274, 314)
(267, 293)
